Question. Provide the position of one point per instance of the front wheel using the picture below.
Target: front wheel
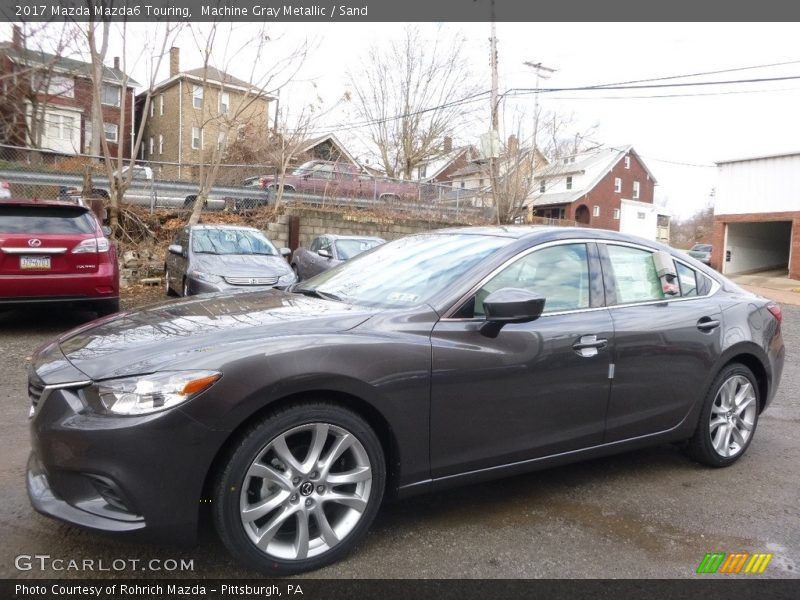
(728, 419)
(300, 489)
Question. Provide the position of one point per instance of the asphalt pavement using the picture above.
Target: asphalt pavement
(648, 514)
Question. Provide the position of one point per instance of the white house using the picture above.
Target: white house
(757, 215)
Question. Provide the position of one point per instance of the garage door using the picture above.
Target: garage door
(753, 247)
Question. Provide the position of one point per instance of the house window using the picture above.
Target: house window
(569, 182)
(110, 94)
(596, 211)
(197, 96)
(55, 86)
(480, 182)
(197, 138)
(617, 185)
(152, 107)
(160, 144)
(87, 135)
(60, 127)
(635, 190)
(221, 141)
(616, 214)
(641, 215)
(161, 105)
(462, 184)
(111, 130)
(150, 147)
(224, 103)
(627, 162)
(542, 186)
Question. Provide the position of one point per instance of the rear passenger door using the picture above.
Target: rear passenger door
(664, 345)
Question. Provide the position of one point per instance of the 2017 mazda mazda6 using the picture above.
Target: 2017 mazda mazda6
(438, 359)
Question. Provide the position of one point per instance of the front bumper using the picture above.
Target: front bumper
(142, 476)
(198, 286)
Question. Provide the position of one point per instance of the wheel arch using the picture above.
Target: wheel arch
(754, 358)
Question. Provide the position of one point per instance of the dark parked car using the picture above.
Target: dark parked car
(434, 360)
(327, 251)
(216, 258)
(56, 252)
(701, 252)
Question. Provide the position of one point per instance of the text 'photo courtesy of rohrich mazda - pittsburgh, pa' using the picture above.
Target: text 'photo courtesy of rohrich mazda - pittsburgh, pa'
(298, 410)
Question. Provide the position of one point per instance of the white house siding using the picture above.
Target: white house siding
(638, 218)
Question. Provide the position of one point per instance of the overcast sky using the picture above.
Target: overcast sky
(696, 129)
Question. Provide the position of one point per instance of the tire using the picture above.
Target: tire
(389, 198)
(107, 307)
(298, 492)
(189, 201)
(185, 288)
(730, 410)
(167, 287)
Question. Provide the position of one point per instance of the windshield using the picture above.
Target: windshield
(405, 272)
(231, 241)
(347, 249)
(701, 248)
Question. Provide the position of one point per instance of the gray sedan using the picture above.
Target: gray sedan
(327, 251)
(215, 258)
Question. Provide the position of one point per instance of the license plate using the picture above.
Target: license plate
(34, 263)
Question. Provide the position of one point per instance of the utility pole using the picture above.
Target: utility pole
(493, 136)
(542, 72)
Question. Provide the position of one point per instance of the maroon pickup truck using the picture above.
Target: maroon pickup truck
(341, 180)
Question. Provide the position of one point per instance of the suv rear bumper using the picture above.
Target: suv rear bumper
(100, 285)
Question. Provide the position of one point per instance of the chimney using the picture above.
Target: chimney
(116, 63)
(513, 144)
(448, 144)
(174, 61)
(16, 38)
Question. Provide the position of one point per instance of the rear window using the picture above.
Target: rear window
(35, 219)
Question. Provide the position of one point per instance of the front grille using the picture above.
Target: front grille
(251, 280)
(35, 389)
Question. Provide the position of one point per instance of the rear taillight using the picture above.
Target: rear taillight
(776, 311)
(92, 245)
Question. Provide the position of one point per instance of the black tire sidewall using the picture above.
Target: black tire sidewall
(700, 446)
(227, 493)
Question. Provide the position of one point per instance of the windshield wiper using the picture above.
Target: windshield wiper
(317, 294)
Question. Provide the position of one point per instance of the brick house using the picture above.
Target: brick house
(440, 168)
(757, 215)
(191, 113)
(46, 101)
(607, 188)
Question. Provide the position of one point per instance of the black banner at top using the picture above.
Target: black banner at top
(398, 10)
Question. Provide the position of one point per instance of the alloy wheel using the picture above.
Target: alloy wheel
(733, 416)
(305, 491)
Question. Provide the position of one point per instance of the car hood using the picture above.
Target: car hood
(241, 265)
(179, 334)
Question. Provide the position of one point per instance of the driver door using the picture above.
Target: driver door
(538, 388)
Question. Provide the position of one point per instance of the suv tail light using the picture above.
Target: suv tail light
(92, 245)
(776, 311)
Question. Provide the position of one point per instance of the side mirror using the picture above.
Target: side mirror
(510, 305)
(324, 253)
(285, 252)
(106, 230)
(175, 249)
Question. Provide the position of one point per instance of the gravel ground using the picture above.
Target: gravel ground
(647, 514)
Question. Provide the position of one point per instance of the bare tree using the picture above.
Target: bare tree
(410, 93)
(247, 99)
(96, 36)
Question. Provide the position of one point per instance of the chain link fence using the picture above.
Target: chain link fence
(30, 173)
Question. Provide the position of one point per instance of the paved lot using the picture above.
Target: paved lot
(648, 514)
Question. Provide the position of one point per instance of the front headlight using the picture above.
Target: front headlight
(151, 393)
(287, 279)
(207, 277)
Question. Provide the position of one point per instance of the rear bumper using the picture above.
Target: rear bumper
(103, 284)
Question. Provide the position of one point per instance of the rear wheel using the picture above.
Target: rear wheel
(189, 201)
(300, 489)
(185, 290)
(106, 307)
(167, 287)
(728, 419)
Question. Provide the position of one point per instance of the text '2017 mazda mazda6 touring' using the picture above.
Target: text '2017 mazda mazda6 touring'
(438, 359)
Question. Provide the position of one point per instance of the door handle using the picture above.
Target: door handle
(707, 324)
(589, 345)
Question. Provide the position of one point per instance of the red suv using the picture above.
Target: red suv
(55, 251)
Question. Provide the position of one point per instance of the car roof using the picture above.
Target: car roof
(223, 226)
(509, 231)
(42, 202)
(336, 236)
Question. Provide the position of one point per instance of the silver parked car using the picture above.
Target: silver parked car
(216, 258)
(327, 251)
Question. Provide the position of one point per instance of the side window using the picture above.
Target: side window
(687, 278)
(315, 245)
(559, 273)
(635, 274)
(325, 244)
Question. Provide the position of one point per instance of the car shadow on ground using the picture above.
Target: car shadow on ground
(43, 319)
